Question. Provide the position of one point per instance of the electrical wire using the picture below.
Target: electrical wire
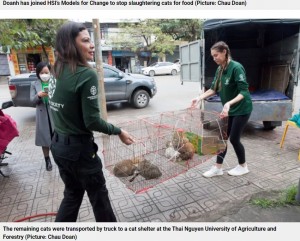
(35, 216)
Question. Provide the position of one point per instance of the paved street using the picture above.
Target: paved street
(31, 190)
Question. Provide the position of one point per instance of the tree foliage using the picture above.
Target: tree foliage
(182, 29)
(25, 33)
(143, 35)
(155, 35)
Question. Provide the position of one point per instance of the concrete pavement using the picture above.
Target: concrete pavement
(31, 190)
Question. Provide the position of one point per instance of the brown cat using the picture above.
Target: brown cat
(147, 170)
(177, 140)
(126, 168)
(186, 151)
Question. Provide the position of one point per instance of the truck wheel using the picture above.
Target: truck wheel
(140, 99)
(151, 73)
(173, 72)
(268, 125)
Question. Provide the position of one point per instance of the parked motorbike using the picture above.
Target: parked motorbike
(8, 131)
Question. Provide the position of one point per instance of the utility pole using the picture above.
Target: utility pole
(99, 67)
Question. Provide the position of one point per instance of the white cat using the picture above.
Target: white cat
(170, 152)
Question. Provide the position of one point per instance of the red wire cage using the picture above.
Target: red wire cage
(161, 140)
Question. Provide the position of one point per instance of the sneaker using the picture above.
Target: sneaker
(238, 170)
(213, 171)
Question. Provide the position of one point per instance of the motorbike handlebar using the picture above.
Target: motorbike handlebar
(6, 104)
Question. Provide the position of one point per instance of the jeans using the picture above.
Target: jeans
(80, 169)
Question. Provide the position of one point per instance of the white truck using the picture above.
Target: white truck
(269, 51)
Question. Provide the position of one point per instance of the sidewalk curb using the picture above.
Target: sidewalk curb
(243, 211)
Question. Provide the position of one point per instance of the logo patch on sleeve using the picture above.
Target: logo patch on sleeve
(93, 91)
(242, 78)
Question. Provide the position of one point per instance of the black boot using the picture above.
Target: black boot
(48, 164)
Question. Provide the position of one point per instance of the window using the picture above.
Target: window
(108, 73)
(4, 68)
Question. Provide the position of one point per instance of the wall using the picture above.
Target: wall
(251, 59)
(256, 60)
(284, 52)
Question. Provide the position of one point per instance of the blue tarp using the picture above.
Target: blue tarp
(259, 95)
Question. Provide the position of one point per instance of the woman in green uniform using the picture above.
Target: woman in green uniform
(73, 99)
(230, 82)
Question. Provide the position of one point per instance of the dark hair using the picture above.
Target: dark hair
(65, 47)
(220, 47)
(39, 68)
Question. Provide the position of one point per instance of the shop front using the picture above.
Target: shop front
(25, 61)
(124, 60)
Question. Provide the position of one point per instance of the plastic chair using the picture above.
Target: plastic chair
(288, 123)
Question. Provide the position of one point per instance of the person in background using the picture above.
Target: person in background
(39, 96)
(230, 82)
(74, 106)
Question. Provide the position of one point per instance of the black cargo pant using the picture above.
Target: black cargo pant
(80, 169)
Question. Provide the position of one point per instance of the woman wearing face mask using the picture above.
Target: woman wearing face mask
(39, 96)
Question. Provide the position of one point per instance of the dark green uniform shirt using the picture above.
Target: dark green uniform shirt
(233, 82)
(73, 99)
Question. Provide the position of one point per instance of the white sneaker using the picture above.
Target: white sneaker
(213, 171)
(238, 170)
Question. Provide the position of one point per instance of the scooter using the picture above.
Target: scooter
(8, 130)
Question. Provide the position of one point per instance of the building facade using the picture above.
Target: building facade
(25, 61)
(125, 59)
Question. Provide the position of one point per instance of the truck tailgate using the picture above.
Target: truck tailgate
(279, 110)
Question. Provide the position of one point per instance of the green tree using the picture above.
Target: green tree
(182, 29)
(143, 35)
(24, 33)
